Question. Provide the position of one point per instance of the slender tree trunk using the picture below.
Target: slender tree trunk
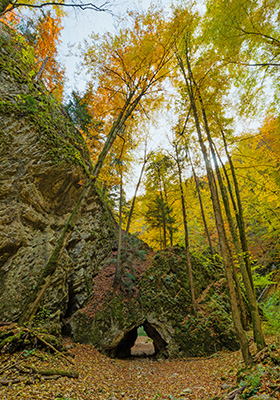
(117, 278)
(202, 209)
(163, 221)
(168, 223)
(232, 228)
(236, 242)
(136, 190)
(118, 125)
(118, 272)
(239, 214)
(246, 274)
(162, 212)
(250, 294)
(219, 222)
(41, 71)
(189, 263)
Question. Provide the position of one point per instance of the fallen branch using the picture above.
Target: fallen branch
(7, 382)
(49, 372)
(6, 323)
(48, 378)
(16, 364)
(54, 349)
(236, 391)
(275, 390)
(59, 372)
(260, 353)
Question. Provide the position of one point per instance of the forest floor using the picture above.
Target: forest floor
(103, 378)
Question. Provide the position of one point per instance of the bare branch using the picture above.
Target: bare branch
(83, 6)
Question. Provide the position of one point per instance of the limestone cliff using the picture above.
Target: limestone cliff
(44, 167)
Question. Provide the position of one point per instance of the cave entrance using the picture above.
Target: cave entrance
(144, 345)
(141, 341)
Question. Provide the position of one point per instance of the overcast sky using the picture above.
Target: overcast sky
(78, 25)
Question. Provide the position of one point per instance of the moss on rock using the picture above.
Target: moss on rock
(162, 303)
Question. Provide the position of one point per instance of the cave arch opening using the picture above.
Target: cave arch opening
(141, 341)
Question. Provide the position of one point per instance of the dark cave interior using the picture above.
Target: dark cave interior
(123, 349)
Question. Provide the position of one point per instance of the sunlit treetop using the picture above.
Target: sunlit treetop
(129, 65)
(247, 36)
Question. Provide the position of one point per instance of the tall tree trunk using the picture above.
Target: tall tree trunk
(117, 127)
(168, 223)
(250, 294)
(219, 221)
(233, 233)
(117, 278)
(118, 272)
(239, 214)
(189, 263)
(163, 221)
(163, 214)
(136, 189)
(247, 274)
(202, 209)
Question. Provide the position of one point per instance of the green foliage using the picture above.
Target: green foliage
(260, 280)
(252, 378)
(77, 108)
(27, 353)
(141, 331)
(41, 317)
(271, 310)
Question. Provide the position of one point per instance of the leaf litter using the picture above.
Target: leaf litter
(103, 378)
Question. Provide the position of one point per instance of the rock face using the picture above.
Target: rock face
(44, 167)
(160, 302)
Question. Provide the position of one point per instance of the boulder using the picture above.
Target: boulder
(160, 301)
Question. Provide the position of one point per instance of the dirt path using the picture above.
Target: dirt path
(139, 378)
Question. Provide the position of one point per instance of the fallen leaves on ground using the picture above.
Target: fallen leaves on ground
(103, 378)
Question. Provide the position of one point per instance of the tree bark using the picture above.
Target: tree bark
(40, 73)
(219, 220)
(232, 227)
(183, 204)
(239, 214)
(118, 274)
(249, 287)
(250, 294)
(136, 190)
(202, 210)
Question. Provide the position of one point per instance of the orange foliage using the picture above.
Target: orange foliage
(49, 29)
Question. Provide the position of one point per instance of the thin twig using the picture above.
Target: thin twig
(54, 349)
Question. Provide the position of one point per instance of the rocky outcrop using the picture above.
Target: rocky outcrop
(44, 167)
(160, 302)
